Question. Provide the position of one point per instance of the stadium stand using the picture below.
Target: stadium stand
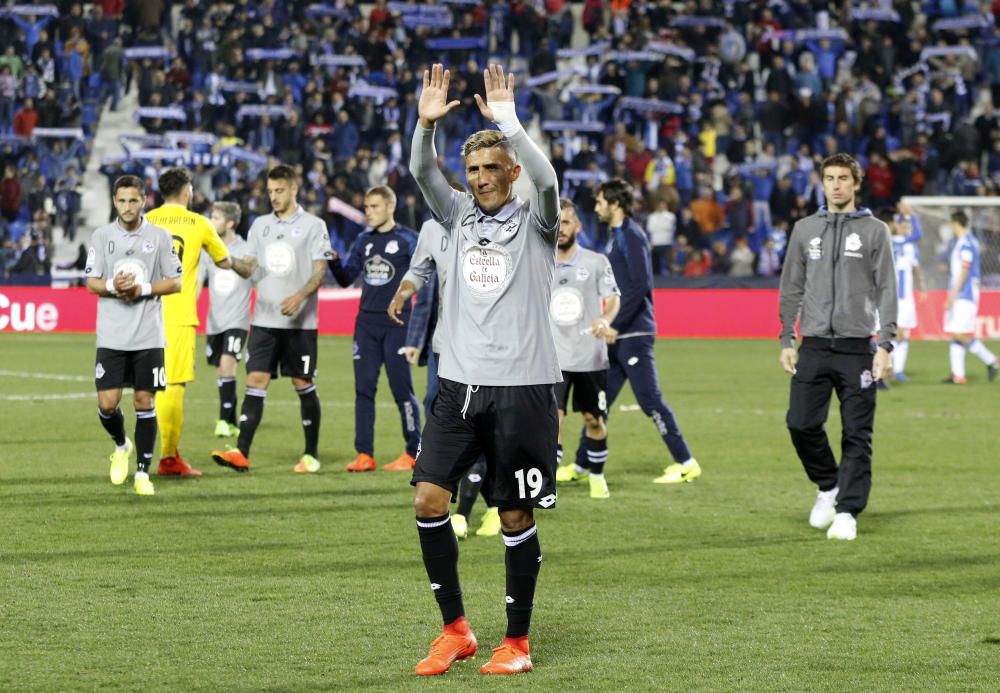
(721, 110)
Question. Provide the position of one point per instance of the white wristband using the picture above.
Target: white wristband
(505, 115)
(147, 289)
(110, 286)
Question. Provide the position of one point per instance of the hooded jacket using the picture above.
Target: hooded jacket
(838, 278)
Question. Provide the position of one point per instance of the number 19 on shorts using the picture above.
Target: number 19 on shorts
(534, 482)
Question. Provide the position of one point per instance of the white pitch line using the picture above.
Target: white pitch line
(46, 376)
(29, 398)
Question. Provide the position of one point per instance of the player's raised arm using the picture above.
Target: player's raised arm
(433, 106)
(498, 108)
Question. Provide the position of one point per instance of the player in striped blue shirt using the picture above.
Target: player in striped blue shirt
(906, 233)
(963, 301)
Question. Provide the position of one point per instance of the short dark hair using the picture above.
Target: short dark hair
(842, 160)
(960, 218)
(173, 181)
(128, 182)
(886, 214)
(283, 172)
(617, 191)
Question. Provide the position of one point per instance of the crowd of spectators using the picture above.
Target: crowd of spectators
(50, 67)
(718, 113)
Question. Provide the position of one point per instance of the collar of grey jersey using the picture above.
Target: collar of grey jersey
(125, 232)
(505, 213)
(572, 261)
(292, 219)
(856, 214)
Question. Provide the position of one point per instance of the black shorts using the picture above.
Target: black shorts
(293, 350)
(589, 394)
(514, 427)
(141, 370)
(230, 342)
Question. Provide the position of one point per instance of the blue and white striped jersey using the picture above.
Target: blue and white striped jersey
(965, 253)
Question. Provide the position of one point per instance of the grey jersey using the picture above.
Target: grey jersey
(430, 256)
(494, 327)
(499, 269)
(228, 292)
(285, 250)
(148, 253)
(578, 288)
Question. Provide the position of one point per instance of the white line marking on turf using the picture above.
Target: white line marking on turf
(29, 398)
(47, 376)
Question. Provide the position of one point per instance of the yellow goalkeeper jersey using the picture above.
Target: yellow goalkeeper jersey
(191, 232)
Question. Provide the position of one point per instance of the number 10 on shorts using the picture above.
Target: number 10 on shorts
(534, 482)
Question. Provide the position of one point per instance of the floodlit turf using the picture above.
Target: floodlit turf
(280, 581)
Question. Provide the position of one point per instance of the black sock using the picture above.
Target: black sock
(439, 546)
(250, 415)
(145, 437)
(309, 408)
(469, 488)
(597, 454)
(581, 451)
(524, 559)
(114, 424)
(227, 400)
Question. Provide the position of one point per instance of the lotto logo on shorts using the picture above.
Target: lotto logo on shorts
(99, 372)
(547, 501)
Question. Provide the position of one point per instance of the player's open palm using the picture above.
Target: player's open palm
(498, 90)
(434, 103)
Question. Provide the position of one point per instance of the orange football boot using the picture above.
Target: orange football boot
(362, 463)
(403, 463)
(509, 658)
(446, 649)
(176, 466)
(234, 459)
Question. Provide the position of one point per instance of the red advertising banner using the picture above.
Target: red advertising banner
(702, 313)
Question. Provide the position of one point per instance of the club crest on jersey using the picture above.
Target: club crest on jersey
(148, 247)
(296, 232)
(815, 249)
(391, 247)
(379, 271)
(852, 245)
(582, 274)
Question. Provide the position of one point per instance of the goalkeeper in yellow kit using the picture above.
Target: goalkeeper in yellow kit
(191, 233)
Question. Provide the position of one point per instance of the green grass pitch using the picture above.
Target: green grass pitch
(277, 581)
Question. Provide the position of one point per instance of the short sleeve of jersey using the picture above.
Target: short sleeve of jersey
(211, 242)
(95, 257)
(606, 284)
(167, 260)
(320, 247)
(967, 255)
(252, 248)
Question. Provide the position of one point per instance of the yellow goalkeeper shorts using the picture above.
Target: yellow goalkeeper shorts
(179, 354)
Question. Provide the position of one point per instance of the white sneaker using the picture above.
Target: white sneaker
(844, 527)
(824, 509)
